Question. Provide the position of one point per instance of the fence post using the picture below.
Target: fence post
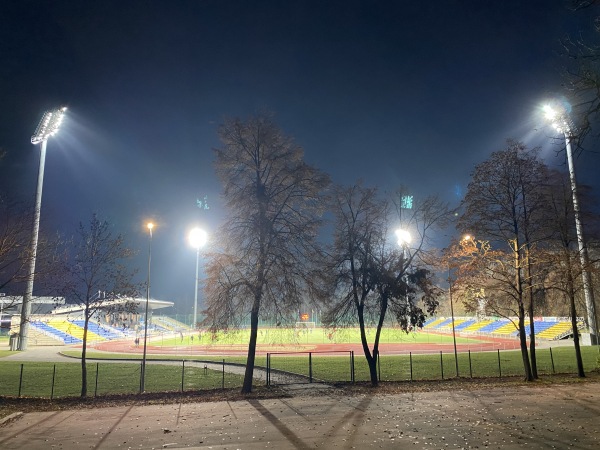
(142, 370)
(182, 374)
(53, 378)
(552, 360)
(21, 379)
(352, 376)
(96, 387)
(470, 366)
(411, 369)
(268, 369)
(223, 376)
(310, 380)
(442, 364)
(499, 365)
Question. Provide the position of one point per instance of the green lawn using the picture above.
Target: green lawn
(123, 377)
(289, 336)
(112, 378)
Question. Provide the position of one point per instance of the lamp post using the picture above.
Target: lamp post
(561, 121)
(197, 239)
(452, 315)
(404, 239)
(150, 226)
(48, 126)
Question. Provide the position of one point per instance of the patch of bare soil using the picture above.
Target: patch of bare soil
(10, 405)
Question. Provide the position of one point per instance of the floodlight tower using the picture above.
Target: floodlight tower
(150, 226)
(48, 126)
(558, 116)
(197, 239)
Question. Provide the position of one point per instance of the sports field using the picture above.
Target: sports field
(392, 341)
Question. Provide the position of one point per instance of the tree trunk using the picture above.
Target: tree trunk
(523, 342)
(522, 334)
(248, 375)
(83, 358)
(531, 308)
(371, 358)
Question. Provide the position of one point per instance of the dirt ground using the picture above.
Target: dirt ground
(557, 412)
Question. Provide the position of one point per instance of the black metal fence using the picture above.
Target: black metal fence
(48, 380)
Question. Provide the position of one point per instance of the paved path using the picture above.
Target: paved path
(561, 416)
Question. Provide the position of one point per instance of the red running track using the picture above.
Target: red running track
(484, 344)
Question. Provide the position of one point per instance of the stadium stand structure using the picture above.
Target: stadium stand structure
(476, 326)
(432, 323)
(169, 324)
(58, 333)
(551, 329)
(104, 331)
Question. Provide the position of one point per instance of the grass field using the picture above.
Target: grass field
(106, 377)
(291, 336)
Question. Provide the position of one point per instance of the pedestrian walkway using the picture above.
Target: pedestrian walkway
(559, 416)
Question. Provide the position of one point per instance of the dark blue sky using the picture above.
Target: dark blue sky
(393, 92)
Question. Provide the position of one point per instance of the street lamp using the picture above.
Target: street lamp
(197, 239)
(404, 239)
(465, 238)
(48, 126)
(559, 118)
(150, 226)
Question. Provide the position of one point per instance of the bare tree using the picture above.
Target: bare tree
(268, 243)
(505, 205)
(14, 238)
(15, 235)
(582, 74)
(369, 276)
(566, 268)
(99, 279)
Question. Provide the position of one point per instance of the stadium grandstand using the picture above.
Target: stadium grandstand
(54, 322)
(547, 328)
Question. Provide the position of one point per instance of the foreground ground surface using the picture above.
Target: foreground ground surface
(464, 414)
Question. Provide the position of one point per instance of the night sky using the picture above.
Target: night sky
(393, 92)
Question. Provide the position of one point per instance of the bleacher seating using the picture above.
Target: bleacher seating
(73, 330)
(544, 329)
(477, 325)
(64, 337)
(555, 331)
(104, 332)
(464, 324)
(509, 328)
(432, 323)
(170, 324)
(539, 326)
(492, 326)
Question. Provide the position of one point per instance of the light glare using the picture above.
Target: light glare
(198, 238)
(403, 237)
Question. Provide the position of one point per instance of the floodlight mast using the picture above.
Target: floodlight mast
(48, 127)
(559, 118)
(197, 238)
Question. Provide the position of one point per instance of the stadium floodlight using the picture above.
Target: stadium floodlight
(48, 127)
(404, 237)
(150, 227)
(558, 116)
(198, 239)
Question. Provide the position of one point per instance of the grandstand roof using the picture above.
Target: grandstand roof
(152, 304)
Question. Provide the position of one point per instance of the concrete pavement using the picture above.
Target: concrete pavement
(559, 416)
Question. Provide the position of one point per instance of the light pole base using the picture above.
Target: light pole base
(588, 339)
